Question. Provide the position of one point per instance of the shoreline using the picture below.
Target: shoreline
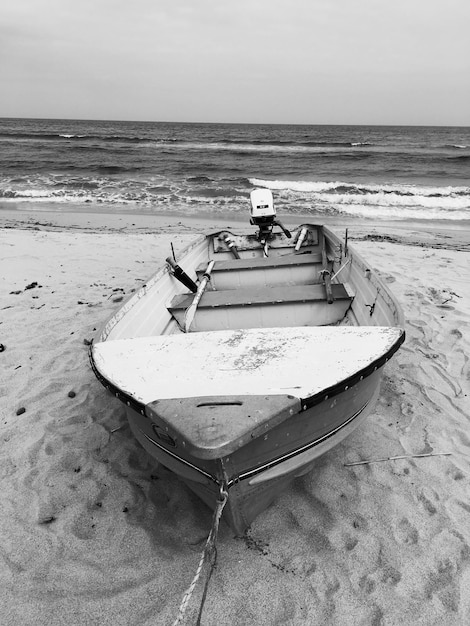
(437, 234)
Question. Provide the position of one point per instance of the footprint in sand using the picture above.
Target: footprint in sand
(391, 575)
(406, 532)
(360, 523)
(456, 474)
(366, 584)
(426, 502)
(84, 526)
(351, 543)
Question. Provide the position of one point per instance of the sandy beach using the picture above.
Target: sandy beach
(94, 533)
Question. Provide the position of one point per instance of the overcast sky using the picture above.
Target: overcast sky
(274, 61)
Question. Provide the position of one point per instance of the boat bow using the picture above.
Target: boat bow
(214, 392)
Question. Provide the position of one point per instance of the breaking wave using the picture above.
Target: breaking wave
(399, 200)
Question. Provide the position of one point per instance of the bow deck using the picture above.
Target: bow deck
(226, 368)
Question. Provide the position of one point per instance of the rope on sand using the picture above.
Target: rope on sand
(209, 555)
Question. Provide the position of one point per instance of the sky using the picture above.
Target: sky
(254, 61)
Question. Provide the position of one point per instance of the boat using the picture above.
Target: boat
(251, 355)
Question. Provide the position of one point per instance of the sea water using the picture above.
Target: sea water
(379, 172)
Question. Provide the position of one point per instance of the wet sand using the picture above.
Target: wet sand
(94, 532)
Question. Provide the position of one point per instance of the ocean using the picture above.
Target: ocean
(378, 172)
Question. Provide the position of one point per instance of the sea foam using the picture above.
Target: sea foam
(367, 200)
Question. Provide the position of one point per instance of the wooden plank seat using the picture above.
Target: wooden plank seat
(260, 262)
(256, 296)
(300, 305)
(287, 269)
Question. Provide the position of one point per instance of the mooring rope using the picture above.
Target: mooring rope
(209, 555)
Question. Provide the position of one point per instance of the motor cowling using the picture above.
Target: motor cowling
(262, 207)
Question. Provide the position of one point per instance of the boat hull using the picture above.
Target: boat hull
(258, 472)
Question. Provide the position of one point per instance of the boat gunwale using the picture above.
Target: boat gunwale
(358, 258)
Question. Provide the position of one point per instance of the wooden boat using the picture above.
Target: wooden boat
(250, 357)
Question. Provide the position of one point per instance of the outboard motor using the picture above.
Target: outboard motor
(262, 207)
(263, 215)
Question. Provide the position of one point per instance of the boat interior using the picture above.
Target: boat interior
(268, 278)
(286, 288)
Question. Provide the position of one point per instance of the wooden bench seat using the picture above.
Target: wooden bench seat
(260, 262)
(296, 305)
(285, 270)
(256, 296)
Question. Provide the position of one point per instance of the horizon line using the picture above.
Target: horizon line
(140, 121)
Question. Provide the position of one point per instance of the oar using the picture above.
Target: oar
(191, 310)
(325, 272)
